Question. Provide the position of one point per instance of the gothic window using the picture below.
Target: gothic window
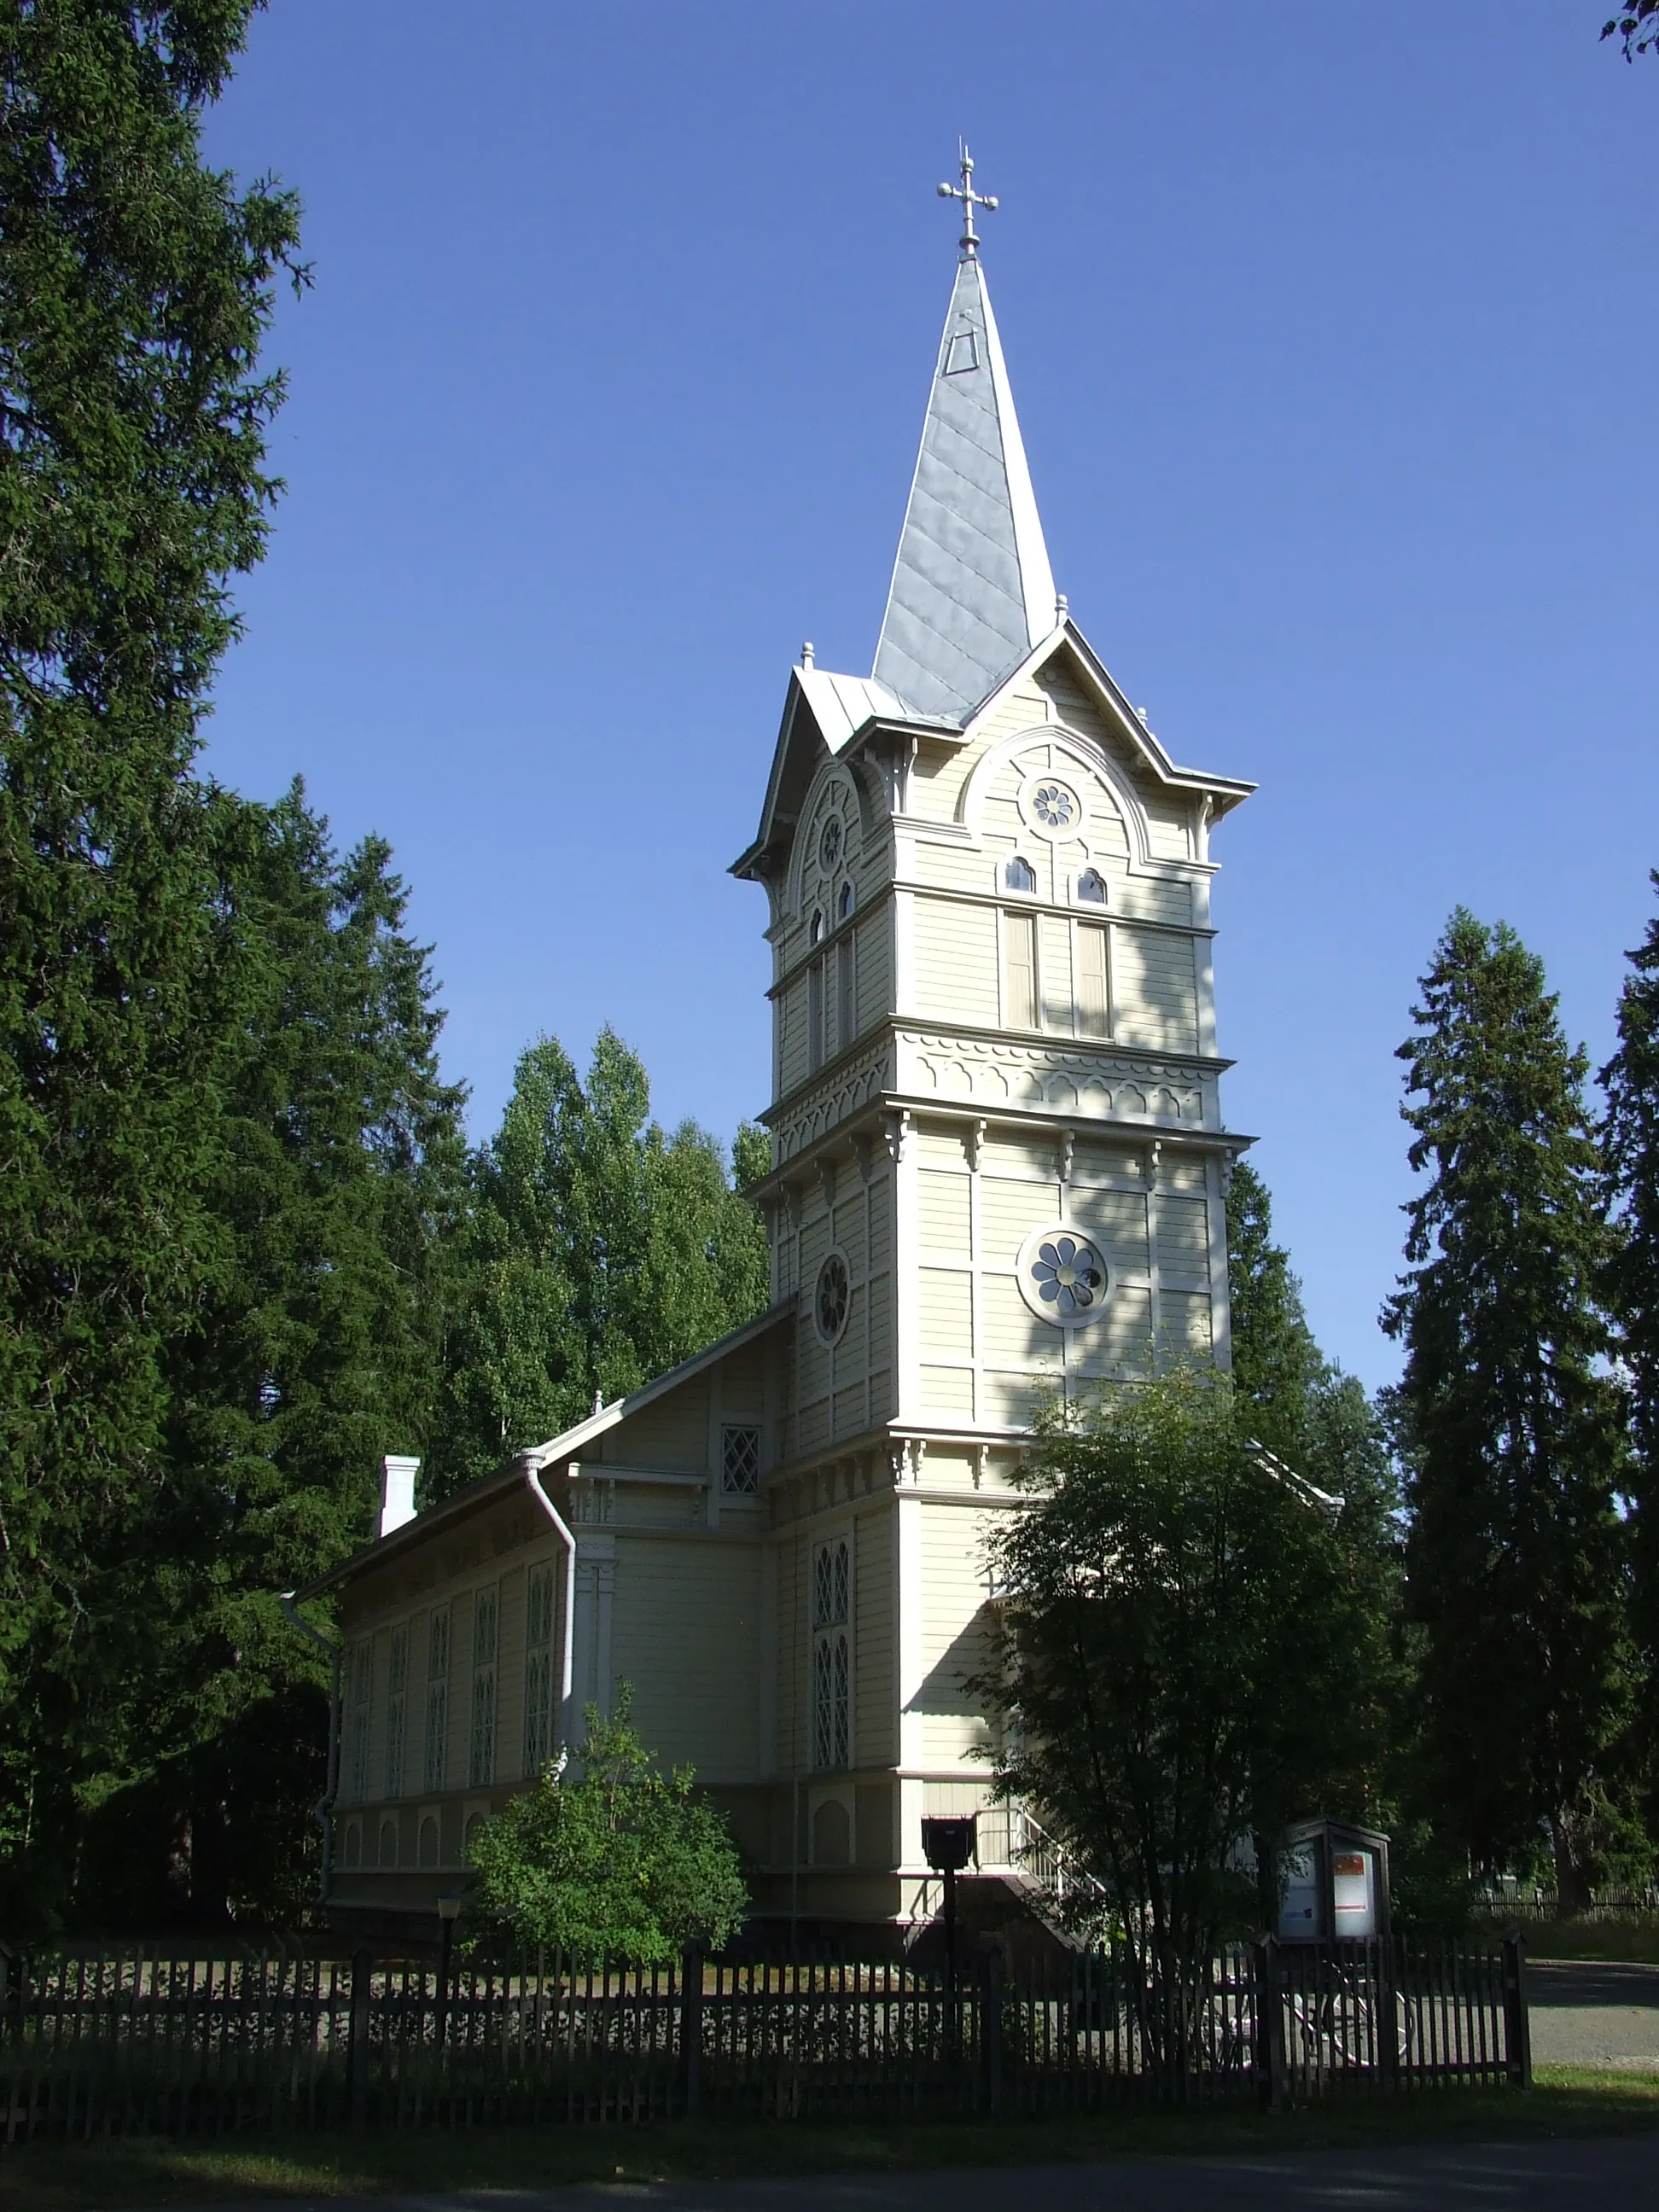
(387, 1853)
(396, 1702)
(482, 1763)
(740, 1461)
(1019, 874)
(844, 903)
(1091, 886)
(1094, 1012)
(832, 1298)
(353, 1852)
(363, 1677)
(538, 1670)
(815, 928)
(831, 1656)
(1019, 971)
(426, 1846)
(437, 1699)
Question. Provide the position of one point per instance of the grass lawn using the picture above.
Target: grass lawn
(146, 2171)
(1614, 1942)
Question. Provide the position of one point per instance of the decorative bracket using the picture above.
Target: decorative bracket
(975, 1144)
(896, 1128)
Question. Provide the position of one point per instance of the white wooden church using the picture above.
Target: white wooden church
(998, 1167)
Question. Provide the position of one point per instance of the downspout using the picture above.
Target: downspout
(323, 1811)
(532, 1468)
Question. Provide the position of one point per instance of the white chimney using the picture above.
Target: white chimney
(396, 1491)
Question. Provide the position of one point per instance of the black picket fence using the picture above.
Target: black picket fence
(142, 2041)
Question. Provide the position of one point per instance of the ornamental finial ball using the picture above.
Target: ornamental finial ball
(947, 192)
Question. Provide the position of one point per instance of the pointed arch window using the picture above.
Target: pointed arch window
(844, 903)
(1019, 874)
(831, 1654)
(1091, 887)
(815, 927)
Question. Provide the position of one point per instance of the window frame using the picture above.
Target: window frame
(831, 1667)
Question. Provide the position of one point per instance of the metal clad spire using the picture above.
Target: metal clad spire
(972, 590)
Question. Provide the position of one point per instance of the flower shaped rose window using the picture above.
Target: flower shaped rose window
(831, 1298)
(1054, 806)
(830, 838)
(1068, 1277)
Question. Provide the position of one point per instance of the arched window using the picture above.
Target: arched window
(814, 929)
(1092, 885)
(844, 903)
(1018, 875)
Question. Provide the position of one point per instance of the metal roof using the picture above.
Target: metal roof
(972, 590)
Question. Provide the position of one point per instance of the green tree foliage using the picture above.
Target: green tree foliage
(1630, 1146)
(600, 1252)
(135, 286)
(619, 1862)
(1637, 25)
(1515, 1556)
(1177, 1629)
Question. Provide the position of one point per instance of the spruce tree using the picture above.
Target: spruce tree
(136, 285)
(1514, 1553)
(1630, 1143)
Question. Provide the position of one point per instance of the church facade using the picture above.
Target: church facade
(998, 1172)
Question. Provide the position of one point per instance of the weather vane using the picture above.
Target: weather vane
(970, 199)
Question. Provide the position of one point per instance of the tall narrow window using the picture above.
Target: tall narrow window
(437, 1699)
(362, 1680)
(847, 1017)
(831, 1659)
(397, 1703)
(538, 1670)
(815, 1016)
(481, 1766)
(1094, 1013)
(1019, 962)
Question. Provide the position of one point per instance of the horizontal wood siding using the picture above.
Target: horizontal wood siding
(954, 1644)
(956, 958)
(1157, 999)
(685, 1632)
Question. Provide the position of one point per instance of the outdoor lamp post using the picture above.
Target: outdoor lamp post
(449, 1909)
(948, 1846)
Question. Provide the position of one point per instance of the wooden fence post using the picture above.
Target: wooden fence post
(691, 2028)
(363, 1967)
(1517, 2025)
(990, 2001)
(1272, 2071)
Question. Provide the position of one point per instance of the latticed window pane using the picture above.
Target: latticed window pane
(823, 1590)
(537, 1696)
(740, 1461)
(482, 1763)
(396, 1708)
(437, 1731)
(823, 1707)
(483, 1766)
(839, 1700)
(538, 1608)
(840, 1612)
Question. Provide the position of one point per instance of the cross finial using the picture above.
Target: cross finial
(970, 199)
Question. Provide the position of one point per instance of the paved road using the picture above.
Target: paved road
(1621, 2174)
(1593, 2015)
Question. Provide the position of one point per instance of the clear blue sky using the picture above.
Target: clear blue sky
(1333, 332)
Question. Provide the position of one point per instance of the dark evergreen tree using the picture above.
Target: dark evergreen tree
(1630, 1145)
(599, 1253)
(1515, 1555)
(135, 287)
(1277, 1365)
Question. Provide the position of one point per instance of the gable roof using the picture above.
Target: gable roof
(972, 590)
(564, 1446)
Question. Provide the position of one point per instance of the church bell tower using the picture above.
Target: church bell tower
(998, 1155)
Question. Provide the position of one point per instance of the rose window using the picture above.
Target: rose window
(1054, 806)
(829, 843)
(832, 1297)
(1063, 1277)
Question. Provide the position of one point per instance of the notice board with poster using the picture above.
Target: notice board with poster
(1333, 1883)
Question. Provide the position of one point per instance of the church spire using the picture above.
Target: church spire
(972, 590)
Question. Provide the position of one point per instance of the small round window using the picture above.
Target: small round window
(1052, 807)
(832, 1297)
(829, 841)
(1064, 1277)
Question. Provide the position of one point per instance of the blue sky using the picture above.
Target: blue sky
(1331, 328)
